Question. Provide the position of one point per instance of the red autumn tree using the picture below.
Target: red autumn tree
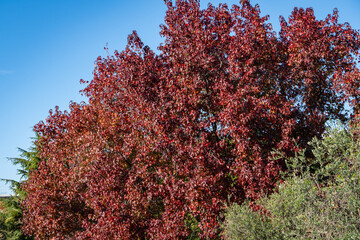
(167, 139)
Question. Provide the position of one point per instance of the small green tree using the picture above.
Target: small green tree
(11, 212)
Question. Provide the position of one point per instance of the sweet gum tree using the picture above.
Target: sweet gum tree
(166, 138)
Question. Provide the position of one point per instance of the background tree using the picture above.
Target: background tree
(166, 138)
(11, 212)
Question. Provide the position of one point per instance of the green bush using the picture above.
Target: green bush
(319, 199)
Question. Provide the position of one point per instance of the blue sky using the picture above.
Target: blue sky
(46, 47)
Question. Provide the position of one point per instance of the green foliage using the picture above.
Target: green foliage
(11, 213)
(193, 225)
(318, 200)
(241, 222)
(10, 220)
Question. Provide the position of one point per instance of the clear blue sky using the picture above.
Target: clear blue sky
(46, 47)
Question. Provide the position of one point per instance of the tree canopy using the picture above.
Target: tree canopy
(169, 138)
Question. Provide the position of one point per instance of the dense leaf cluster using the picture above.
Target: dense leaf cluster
(166, 138)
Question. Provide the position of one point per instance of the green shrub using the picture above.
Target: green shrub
(319, 199)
